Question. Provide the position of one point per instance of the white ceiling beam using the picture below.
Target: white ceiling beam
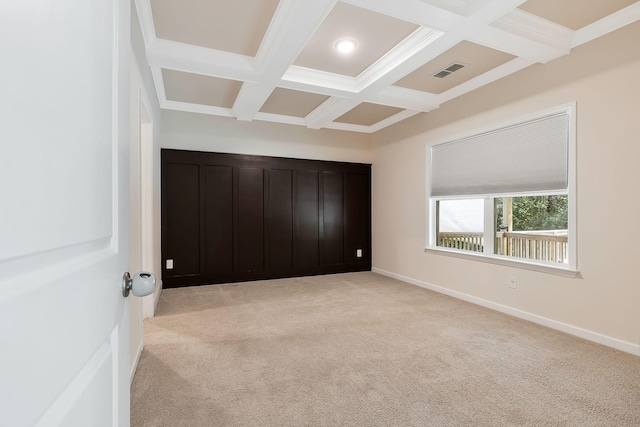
(349, 127)
(403, 115)
(409, 48)
(143, 7)
(280, 118)
(526, 35)
(514, 44)
(198, 108)
(307, 77)
(490, 76)
(314, 88)
(414, 11)
(329, 111)
(473, 6)
(488, 11)
(409, 99)
(292, 26)
(493, 23)
(619, 19)
(158, 81)
(393, 95)
(323, 116)
(404, 51)
(485, 14)
(201, 60)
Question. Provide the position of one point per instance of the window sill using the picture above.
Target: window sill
(508, 262)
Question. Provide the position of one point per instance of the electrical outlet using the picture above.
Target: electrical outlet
(513, 282)
(169, 264)
(358, 253)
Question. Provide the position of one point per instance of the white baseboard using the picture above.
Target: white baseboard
(625, 346)
(134, 365)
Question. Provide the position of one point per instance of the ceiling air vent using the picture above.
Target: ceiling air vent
(449, 70)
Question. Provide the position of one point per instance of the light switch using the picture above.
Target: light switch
(358, 253)
(169, 264)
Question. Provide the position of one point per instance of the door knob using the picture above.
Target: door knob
(141, 284)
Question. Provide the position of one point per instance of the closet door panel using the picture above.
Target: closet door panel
(307, 218)
(280, 219)
(182, 211)
(218, 219)
(332, 243)
(250, 219)
(357, 218)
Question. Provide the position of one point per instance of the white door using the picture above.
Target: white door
(64, 212)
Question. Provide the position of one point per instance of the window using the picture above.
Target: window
(507, 193)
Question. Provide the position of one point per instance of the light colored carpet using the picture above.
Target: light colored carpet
(360, 349)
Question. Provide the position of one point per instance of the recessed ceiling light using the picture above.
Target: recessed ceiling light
(346, 45)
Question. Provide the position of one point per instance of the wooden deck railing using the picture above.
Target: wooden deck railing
(538, 245)
(550, 246)
(466, 241)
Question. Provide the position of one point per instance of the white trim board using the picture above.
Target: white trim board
(596, 337)
(134, 365)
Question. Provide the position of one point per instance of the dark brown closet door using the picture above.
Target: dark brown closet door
(229, 218)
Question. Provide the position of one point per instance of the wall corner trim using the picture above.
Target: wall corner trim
(596, 337)
(134, 365)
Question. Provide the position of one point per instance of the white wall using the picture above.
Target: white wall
(199, 132)
(142, 90)
(602, 303)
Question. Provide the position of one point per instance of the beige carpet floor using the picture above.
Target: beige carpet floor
(360, 349)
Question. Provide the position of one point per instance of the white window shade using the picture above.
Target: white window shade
(527, 157)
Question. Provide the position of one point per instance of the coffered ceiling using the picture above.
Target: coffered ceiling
(276, 60)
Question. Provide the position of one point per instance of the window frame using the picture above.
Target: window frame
(569, 269)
